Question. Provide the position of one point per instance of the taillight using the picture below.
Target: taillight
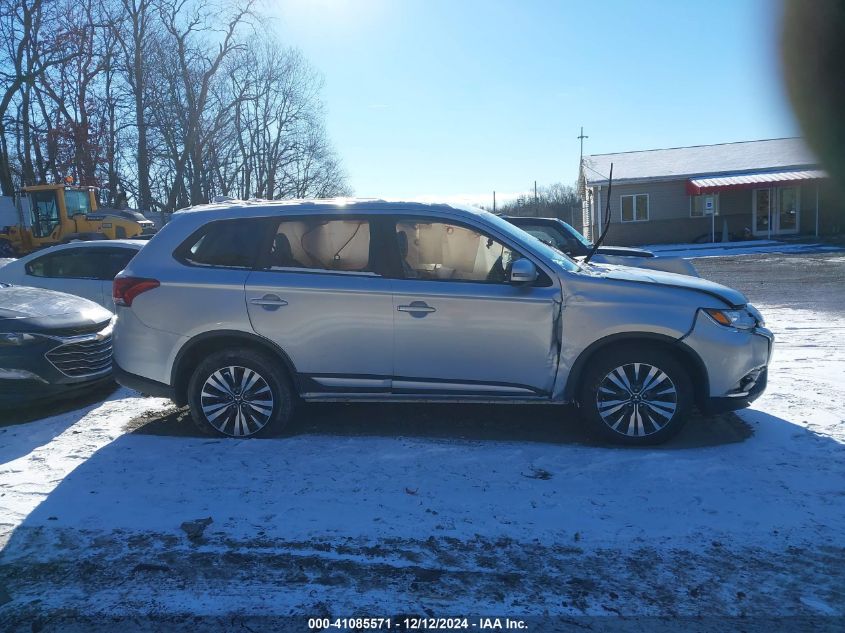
(125, 289)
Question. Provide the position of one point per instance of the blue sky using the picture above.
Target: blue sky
(452, 99)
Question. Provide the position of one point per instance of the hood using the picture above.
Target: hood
(623, 251)
(31, 309)
(640, 275)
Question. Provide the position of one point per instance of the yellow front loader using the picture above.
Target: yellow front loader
(44, 215)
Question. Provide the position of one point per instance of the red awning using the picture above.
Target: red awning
(697, 186)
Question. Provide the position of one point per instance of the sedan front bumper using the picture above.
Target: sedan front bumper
(18, 393)
(54, 366)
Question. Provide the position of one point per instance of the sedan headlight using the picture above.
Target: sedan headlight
(8, 339)
(756, 314)
(739, 319)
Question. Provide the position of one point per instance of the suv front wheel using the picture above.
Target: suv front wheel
(636, 396)
(239, 394)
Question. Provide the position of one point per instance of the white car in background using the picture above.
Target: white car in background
(84, 269)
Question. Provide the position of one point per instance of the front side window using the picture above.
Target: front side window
(635, 208)
(448, 252)
(224, 244)
(77, 202)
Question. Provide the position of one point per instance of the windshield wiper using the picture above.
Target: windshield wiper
(606, 219)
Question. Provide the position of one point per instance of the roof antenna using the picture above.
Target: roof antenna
(606, 219)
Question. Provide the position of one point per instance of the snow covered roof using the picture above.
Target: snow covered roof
(683, 162)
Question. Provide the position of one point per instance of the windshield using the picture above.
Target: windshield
(539, 246)
(576, 235)
(77, 202)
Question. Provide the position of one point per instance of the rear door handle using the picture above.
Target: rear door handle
(417, 308)
(269, 301)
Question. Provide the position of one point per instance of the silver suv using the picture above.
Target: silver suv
(241, 309)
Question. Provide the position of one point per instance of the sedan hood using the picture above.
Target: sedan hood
(624, 251)
(639, 275)
(24, 309)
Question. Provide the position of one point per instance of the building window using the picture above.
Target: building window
(706, 205)
(635, 208)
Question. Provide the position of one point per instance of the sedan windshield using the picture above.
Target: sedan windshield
(576, 235)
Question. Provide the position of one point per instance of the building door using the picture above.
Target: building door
(788, 210)
(776, 211)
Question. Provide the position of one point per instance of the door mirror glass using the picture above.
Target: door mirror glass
(523, 271)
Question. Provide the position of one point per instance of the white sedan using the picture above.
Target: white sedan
(85, 269)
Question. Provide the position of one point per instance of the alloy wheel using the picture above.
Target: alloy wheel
(636, 399)
(237, 401)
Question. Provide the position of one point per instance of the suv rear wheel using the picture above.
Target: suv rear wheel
(636, 396)
(240, 394)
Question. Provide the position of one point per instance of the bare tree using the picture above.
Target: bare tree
(31, 43)
(133, 22)
(197, 63)
(278, 144)
(168, 101)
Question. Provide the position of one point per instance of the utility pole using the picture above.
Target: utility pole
(536, 202)
(587, 223)
(494, 201)
(581, 138)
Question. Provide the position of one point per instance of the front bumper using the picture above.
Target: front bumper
(723, 405)
(54, 367)
(18, 393)
(736, 363)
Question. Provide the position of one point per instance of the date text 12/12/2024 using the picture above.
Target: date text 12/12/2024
(411, 623)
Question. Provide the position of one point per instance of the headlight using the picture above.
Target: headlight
(739, 319)
(8, 339)
(756, 314)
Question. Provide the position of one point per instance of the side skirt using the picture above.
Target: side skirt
(425, 398)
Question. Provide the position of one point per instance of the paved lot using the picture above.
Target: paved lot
(438, 510)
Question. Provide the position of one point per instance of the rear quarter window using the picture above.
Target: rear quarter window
(225, 244)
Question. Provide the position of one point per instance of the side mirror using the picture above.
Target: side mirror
(523, 271)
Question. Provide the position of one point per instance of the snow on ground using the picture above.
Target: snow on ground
(750, 247)
(333, 523)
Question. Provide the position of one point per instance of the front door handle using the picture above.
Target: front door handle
(269, 301)
(417, 308)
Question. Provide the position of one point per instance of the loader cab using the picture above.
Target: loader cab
(54, 209)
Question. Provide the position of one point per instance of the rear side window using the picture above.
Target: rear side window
(322, 244)
(70, 264)
(82, 263)
(225, 244)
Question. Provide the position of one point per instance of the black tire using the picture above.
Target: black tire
(6, 249)
(615, 405)
(215, 410)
